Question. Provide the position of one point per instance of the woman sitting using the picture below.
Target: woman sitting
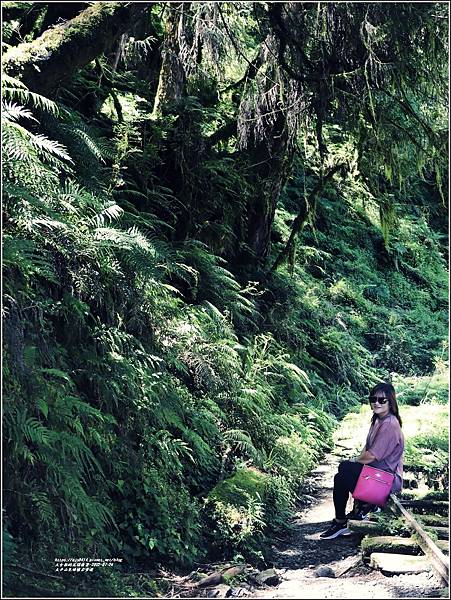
(384, 449)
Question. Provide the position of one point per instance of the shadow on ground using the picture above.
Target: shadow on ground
(304, 549)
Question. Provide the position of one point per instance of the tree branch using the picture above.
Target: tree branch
(54, 56)
(405, 105)
(250, 73)
(301, 218)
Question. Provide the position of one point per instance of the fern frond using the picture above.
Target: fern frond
(108, 214)
(240, 440)
(35, 432)
(43, 506)
(89, 142)
(14, 112)
(23, 254)
(15, 89)
(49, 150)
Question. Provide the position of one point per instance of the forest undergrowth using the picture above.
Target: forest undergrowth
(164, 396)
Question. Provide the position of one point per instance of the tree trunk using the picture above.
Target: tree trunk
(265, 129)
(172, 79)
(60, 51)
(272, 167)
(57, 12)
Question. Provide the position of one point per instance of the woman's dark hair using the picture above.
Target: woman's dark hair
(389, 392)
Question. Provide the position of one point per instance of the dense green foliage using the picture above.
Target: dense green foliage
(168, 381)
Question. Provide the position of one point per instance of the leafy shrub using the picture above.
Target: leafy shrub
(236, 507)
(292, 457)
(427, 442)
(415, 391)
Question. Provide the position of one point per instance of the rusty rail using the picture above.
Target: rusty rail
(438, 560)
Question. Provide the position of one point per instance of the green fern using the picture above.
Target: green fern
(14, 89)
(239, 440)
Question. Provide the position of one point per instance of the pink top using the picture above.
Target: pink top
(386, 441)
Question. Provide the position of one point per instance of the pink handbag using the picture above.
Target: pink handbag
(373, 486)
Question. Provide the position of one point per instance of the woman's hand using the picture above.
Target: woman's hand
(366, 457)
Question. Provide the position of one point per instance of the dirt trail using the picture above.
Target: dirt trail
(298, 558)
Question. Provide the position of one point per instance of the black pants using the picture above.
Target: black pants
(344, 483)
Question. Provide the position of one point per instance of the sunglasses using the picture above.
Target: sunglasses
(374, 399)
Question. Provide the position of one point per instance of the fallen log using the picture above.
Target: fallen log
(232, 572)
(213, 579)
(60, 51)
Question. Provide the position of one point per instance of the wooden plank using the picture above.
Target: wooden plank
(441, 532)
(389, 543)
(436, 556)
(367, 527)
(439, 506)
(436, 495)
(399, 563)
(437, 520)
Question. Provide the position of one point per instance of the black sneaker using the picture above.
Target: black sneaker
(366, 511)
(363, 513)
(358, 516)
(335, 530)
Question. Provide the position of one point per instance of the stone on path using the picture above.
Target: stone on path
(324, 572)
(268, 577)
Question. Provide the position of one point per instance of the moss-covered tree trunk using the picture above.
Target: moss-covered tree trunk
(172, 79)
(272, 167)
(58, 12)
(54, 56)
(265, 128)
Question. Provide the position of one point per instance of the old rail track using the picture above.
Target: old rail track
(396, 554)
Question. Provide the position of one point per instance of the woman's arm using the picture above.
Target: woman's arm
(365, 457)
